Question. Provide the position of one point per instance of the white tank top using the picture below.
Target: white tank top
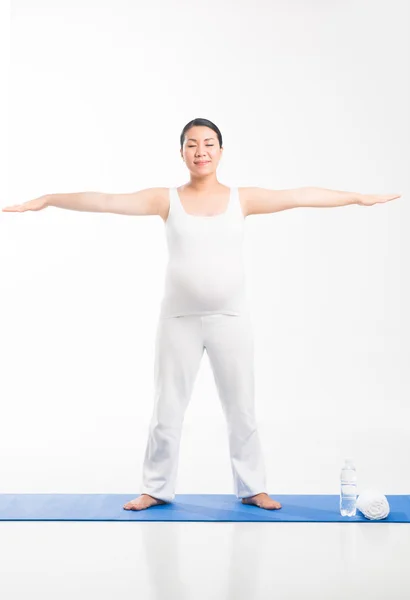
(205, 272)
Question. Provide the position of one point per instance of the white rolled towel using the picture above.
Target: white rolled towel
(373, 504)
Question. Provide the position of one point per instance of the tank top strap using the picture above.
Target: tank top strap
(235, 207)
(175, 208)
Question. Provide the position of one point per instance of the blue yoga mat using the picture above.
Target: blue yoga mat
(187, 507)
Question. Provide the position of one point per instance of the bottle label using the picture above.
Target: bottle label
(348, 490)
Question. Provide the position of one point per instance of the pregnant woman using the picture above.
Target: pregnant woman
(204, 306)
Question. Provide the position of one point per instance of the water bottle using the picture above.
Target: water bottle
(348, 483)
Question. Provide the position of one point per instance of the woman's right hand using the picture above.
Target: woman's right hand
(36, 204)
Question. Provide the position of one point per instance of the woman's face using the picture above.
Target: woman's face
(201, 151)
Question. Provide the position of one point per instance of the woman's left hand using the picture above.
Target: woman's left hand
(370, 199)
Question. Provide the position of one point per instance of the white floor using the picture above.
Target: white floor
(204, 561)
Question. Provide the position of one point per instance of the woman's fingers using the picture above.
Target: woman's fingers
(387, 198)
(13, 207)
(370, 199)
(36, 204)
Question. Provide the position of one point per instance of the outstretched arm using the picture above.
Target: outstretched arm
(261, 201)
(144, 202)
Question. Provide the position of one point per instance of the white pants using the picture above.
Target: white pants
(180, 343)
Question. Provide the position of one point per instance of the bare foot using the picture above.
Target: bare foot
(263, 501)
(143, 501)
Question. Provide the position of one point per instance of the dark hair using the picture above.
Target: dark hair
(203, 122)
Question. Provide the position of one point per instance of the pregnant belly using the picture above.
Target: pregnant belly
(206, 284)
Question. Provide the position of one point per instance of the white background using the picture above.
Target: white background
(306, 94)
